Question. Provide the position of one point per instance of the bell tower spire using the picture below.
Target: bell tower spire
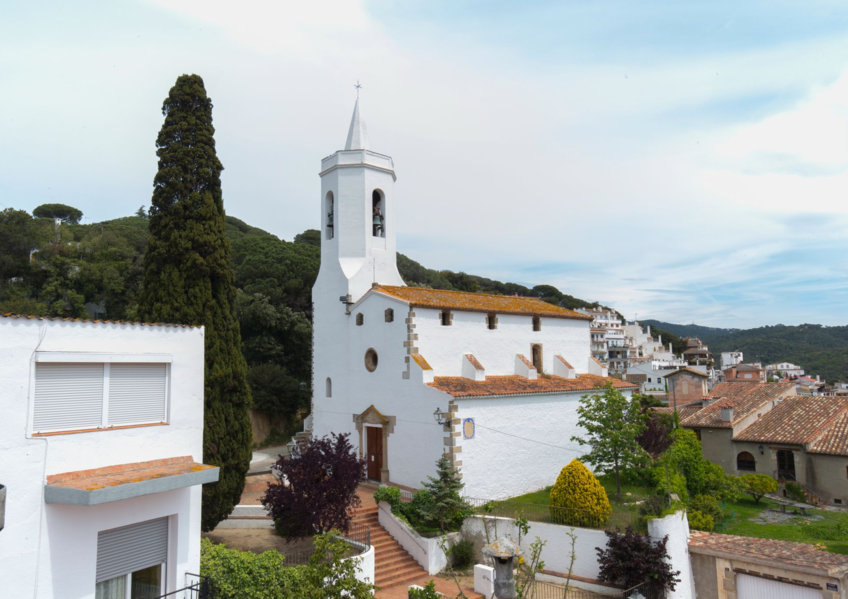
(357, 214)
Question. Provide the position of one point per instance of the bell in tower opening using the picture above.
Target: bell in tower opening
(379, 222)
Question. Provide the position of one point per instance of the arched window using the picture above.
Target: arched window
(329, 387)
(330, 209)
(537, 357)
(390, 315)
(378, 214)
(360, 319)
(745, 461)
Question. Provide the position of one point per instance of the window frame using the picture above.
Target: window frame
(753, 461)
(106, 360)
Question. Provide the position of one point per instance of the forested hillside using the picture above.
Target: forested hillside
(818, 349)
(51, 267)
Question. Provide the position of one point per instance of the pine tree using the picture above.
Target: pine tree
(188, 280)
(448, 508)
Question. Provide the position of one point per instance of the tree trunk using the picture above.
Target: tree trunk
(617, 481)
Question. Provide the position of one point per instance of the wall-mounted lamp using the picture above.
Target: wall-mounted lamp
(439, 417)
(762, 451)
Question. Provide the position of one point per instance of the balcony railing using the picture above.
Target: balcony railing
(197, 587)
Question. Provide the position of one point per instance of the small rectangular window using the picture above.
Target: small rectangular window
(698, 434)
(492, 322)
(447, 318)
(837, 501)
(537, 323)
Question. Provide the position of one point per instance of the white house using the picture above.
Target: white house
(493, 381)
(731, 358)
(101, 441)
(786, 369)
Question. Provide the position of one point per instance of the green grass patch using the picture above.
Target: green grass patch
(829, 528)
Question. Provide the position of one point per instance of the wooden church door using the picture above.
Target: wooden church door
(375, 452)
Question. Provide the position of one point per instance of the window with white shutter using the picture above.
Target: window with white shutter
(138, 393)
(67, 397)
(71, 396)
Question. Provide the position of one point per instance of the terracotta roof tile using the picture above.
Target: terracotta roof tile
(683, 411)
(689, 370)
(744, 398)
(771, 550)
(835, 439)
(124, 474)
(798, 419)
(518, 385)
(94, 321)
(477, 302)
(419, 359)
(474, 362)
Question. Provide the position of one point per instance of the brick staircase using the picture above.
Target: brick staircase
(393, 565)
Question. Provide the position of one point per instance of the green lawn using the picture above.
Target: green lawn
(796, 528)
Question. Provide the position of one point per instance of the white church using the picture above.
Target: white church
(493, 381)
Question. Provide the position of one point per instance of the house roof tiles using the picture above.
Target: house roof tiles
(477, 302)
(769, 550)
(835, 439)
(518, 385)
(798, 419)
(744, 398)
(474, 362)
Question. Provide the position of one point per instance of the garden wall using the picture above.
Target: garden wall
(426, 552)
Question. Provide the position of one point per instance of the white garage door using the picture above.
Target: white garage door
(752, 587)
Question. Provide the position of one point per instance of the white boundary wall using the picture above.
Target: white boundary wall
(426, 552)
(676, 526)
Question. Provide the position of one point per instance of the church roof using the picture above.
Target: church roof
(357, 136)
(477, 302)
(458, 386)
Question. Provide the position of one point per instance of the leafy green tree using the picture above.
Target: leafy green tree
(67, 214)
(187, 280)
(613, 424)
(329, 575)
(18, 237)
(142, 212)
(309, 237)
(448, 509)
(758, 485)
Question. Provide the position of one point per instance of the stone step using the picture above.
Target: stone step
(400, 576)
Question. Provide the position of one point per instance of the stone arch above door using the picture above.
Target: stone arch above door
(373, 416)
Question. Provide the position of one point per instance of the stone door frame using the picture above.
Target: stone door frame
(373, 417)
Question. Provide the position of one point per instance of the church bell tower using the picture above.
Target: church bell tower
(357, 219)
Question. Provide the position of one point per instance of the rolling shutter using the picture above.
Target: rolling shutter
(137, 393)
(130, 548)
(68, 396)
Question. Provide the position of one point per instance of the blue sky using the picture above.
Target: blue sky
(684, 161)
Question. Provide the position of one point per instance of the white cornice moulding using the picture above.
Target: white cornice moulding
(68, 356)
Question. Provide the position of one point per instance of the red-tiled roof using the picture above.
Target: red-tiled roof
(798, 419)
(124, 474)
(526, 362)
(835, 439)
(477, 302)
(474, 362)
(95, 321)
(563, 360)
(518, 385)
(419, 359)
(689, 370)
(683, 411)
(768, 550)
(744, 398)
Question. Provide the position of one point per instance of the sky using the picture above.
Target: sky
(683, 161)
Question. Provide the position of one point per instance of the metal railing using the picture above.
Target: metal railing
(358, 538)
(553, 515)
(197, 587)
(551, 590)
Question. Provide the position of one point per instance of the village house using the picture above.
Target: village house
(784, 370)
(102, 441)
(747, 373)
(608, 338)
(767, 428)
(696, 353)
(412, 374)
(731, 358)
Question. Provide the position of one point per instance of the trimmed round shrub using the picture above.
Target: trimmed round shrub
(578, 498)
(700, 521)
(707, 505)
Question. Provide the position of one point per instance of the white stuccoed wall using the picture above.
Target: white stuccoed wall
(536, 447)
(676, 526)
(64, 552)
(444, 346)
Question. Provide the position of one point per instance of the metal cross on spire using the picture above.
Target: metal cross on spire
(358, 87)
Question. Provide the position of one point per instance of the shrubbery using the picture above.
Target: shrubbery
(630, 559)
(580, 496)
(707, 505)
(700, 521)
(462, 554)
(758, 485)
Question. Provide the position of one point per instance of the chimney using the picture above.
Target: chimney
(727, 414)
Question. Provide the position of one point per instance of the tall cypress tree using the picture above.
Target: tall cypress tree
(188, 280)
